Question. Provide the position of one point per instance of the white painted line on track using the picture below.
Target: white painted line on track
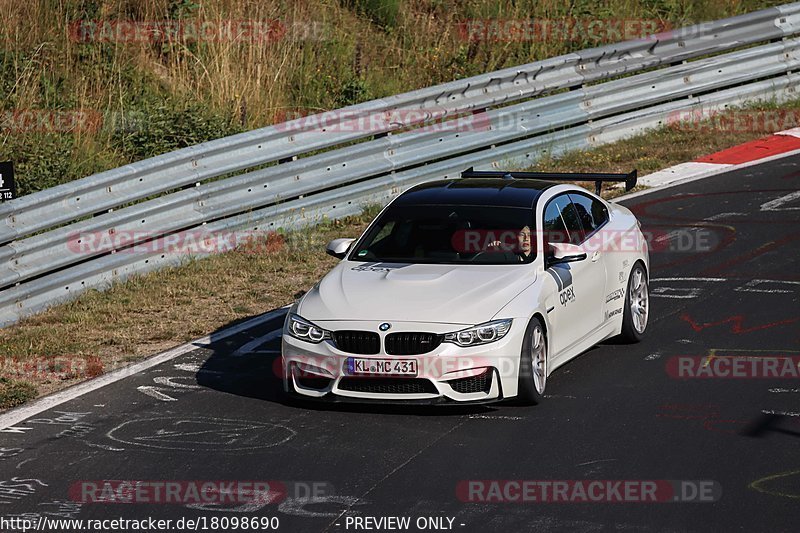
(722, 215)
(23, 412)
(255, 343)
(775, 205)
(688, 279)
(752, 286)
(154, 392)
(779, 413)
(495, 417)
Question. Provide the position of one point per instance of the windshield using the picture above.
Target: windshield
(449, 234)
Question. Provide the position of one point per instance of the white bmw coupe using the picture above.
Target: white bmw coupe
(470, 290)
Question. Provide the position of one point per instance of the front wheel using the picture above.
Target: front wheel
(637, 305)
(533, 364)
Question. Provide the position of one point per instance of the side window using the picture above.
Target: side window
(561, 222)
(554, 228)
(573, 222)
(591, 212)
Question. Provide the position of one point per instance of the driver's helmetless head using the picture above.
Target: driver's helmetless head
(524, 240)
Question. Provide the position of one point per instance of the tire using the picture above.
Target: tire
(637, 305)
(533, 365)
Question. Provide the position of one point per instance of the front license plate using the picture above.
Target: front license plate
(380, 367)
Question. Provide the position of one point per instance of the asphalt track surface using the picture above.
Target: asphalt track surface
(615, 413)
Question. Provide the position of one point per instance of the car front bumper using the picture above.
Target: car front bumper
(448, 374)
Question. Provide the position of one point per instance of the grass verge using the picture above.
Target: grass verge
(101, 331)
(148, 93)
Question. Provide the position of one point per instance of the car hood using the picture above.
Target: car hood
(455, 294)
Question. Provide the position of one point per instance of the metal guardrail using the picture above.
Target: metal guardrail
(38, 268)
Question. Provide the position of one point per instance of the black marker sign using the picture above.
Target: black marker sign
(8, 189)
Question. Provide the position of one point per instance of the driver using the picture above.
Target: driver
(522, 248)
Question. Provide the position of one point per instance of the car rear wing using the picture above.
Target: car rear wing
(597, 177)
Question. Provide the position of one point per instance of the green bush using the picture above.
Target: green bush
(353, 91)
(14, 392)
(158, 127)
(385, 13)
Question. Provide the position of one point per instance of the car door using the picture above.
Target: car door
(574, 302)
(601, 246)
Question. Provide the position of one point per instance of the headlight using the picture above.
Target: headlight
(300, 328)
(480, 334)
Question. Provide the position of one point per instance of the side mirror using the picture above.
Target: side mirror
(563, 252)
(338, 247)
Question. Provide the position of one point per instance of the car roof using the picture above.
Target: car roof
(476, 191)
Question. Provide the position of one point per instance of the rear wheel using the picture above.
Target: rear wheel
(637, 305)
(533, 364)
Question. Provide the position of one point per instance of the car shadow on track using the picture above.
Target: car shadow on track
(248, 364)
(764, 424)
